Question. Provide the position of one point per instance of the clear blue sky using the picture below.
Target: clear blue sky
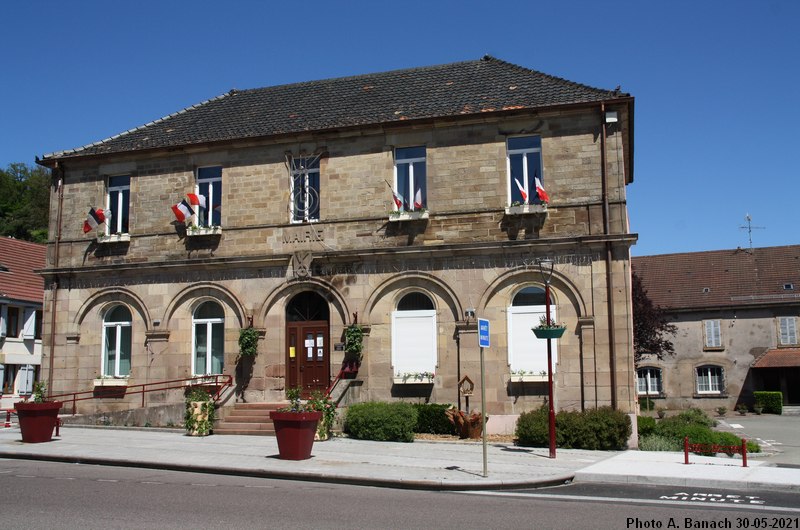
(715, 82)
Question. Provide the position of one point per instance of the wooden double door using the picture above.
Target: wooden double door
(307, 356)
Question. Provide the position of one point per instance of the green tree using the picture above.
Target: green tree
(650, 326)
(24, 202)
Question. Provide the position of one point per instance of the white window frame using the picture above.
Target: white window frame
(116, 219)
(209, 323)
(526, 182)
(117, 325)
(302, 170)
(210, 199)
(715, 384)
(712, 334)
(427, 357)
(409, 199)
(787, 331)
(532, 358)
(653, 381)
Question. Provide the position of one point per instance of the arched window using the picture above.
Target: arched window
(648, 381)
(527, 355)
(710, 380)
(117, 342)
(209, 339)
(414, 337)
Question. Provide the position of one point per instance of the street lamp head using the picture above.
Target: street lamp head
(546, 268)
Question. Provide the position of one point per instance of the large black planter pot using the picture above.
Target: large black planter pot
(548, 333)
(37, 420)
(295, 433)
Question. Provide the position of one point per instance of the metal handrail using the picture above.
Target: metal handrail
(220, 381)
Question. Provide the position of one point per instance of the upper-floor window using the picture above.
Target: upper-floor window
(118, 204)
(305, 191)
(37, 334)
(524, 161)
(787, 327)
(12, 322)
(709, 380)
(712, 334)
(648, 381)
(410, 180)
(117, 342)
(209, 187)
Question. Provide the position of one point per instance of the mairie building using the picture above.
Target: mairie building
(411, 202)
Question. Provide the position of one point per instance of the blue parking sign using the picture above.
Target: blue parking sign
(483, 333)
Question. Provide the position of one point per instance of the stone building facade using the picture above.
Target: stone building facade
(737, 314)
(302, 234)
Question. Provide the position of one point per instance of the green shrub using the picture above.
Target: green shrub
(595, 429)
(656, 442)
(646, 425)
(391, 422)
(431, 419)
(695, 425)
(771, 402)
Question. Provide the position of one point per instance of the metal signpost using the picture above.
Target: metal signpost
(483, 342)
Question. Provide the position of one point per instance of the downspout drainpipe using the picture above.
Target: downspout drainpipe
(54, 285)
(612, 336)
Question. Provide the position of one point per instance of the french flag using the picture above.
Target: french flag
(398, 200)
(522, 191)
(418, 199)
(540, 191)
(182, 211)
(197, 200)
(95, 218)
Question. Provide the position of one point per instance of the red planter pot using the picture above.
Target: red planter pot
(37, 420)
(295, 432)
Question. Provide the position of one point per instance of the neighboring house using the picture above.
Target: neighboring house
(408, 198)
(737, 314)
(21, 294)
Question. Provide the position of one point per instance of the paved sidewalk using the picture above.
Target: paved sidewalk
(417, 465)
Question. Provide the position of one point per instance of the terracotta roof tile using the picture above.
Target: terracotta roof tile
(778, 358)
(18, 260)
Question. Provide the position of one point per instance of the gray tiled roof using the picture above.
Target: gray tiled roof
(464, 88)
(721, 278)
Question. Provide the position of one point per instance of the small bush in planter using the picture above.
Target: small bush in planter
(721, 411)
(380, 421)
(200, 412)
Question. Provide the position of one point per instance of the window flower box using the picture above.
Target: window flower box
(412, 378)
(113, 238)
(110, 382)
(528, 377)
(408, 216)
(200, 231)
(526, 209)
(110, 387)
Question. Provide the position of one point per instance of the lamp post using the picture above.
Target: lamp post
(546, 268)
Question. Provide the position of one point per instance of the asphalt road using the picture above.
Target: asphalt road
(57, 495)
(780, 434)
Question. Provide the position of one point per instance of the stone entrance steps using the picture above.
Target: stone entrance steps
(249, 419)
(791, 410)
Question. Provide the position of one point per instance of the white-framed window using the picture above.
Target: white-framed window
(526, 353)
(208, 339)
(209, 186)
(117, 342)
(118, 202)
(10, 321)
(414, 335)
(524, 166)
(305, 192)
(410, 178)
(787, 328)
(712, 333)
(648, 381)
(710, 380)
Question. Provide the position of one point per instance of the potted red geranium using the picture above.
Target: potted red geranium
(38, 416)
(295, 427)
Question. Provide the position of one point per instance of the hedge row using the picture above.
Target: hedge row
(595, 429)
(384, 422)
(771, 402)
(668, 434)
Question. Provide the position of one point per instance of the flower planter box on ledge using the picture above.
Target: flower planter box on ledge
(113, 238)
(548, 333)
(411, 380)
(408, 216)
(37, 421)
(204, 231)
(526, 209)
(528, 378)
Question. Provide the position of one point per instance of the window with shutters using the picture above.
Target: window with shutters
(209, 190)
(712, 335)
(118, 201)
(787, 331)
(410, 179)
(524, 166)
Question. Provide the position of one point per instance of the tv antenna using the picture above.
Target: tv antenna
(750, 229)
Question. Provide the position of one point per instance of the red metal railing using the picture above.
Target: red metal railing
(714, 448)
(216, 383)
